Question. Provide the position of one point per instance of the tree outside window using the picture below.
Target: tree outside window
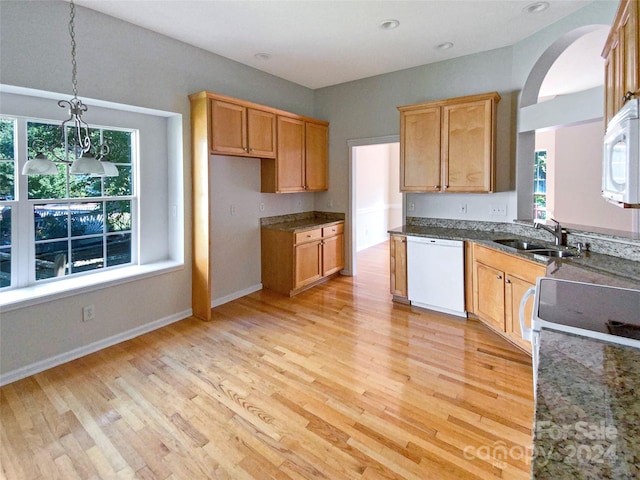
(540, 185)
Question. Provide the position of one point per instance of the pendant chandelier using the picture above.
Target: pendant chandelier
(74, 135)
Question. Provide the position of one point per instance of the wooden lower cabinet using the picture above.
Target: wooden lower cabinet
(499, 283)
(295, 261)
(398, 267)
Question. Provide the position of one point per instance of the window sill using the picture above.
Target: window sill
(37, 294)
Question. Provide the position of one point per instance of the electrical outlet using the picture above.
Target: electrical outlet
(498, 209)
(412, 206)
(261, 207)
(232, 209)
(330, 203)
(462, 208)
(88, 313)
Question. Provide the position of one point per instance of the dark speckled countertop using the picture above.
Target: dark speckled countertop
(589, 267)
(587, 420)
(301, 221)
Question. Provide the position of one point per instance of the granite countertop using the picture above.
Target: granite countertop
(589, 267)
(301, 221)
(587, 419)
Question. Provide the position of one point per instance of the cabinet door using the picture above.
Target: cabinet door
(467, 147)
(515, 289)
(628, 48)
(489, 297)
(398, 265)
(316, 156)
(228, 128)
(290, 162)
(261, 133)
(611, 90)
(307, 263)
(332, 254)
(420, 150)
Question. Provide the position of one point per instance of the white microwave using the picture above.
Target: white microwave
(621, 157)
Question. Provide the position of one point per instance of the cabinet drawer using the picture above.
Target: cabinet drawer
(308, 235)
(333, 230)
(527, 270)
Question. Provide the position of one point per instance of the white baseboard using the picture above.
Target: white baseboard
(215, 302)
(56, 360)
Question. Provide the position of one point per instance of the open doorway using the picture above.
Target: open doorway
(376, 201)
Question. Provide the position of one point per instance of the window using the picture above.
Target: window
(63, 224)
(540, 185)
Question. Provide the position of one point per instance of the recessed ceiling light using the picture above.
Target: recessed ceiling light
(262, 56)
(389, 24)
(536, 7)
(444, 46)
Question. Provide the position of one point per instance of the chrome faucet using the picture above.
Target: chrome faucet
(556, 230)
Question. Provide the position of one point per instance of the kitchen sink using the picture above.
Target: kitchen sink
(556, 253)
(519, 244)
(535, 248)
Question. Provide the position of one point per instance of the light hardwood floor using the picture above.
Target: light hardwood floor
(335, 383)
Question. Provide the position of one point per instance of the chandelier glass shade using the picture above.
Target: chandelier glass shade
(74, 135)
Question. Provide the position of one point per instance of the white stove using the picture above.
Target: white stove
(602, 312)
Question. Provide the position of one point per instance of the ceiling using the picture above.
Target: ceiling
(318, 43)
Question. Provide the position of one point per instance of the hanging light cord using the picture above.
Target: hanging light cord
(74, 65)
(75, 105)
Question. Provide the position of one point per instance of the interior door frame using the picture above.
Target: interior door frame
(361, 142)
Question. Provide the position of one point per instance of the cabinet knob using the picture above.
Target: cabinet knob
(499, 277)
(507, 281)
(251, 149)
(436, 186)
(445, 187)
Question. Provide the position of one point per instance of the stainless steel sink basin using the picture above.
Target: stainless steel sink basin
(519, 244)
(556, 253)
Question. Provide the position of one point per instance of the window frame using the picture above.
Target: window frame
(23, 241)
(161, 196)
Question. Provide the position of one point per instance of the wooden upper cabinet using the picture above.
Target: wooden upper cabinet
(316, 156)
(290, 162)
(449, 145)
(302, 163)
(468, 147)
(420, 150)
(622, 54)
(261, 133)
(242, 131)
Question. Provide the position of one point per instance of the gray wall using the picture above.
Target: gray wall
(122, 63)
(367, 108)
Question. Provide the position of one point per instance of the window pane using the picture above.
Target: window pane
(86, 254)
(45, 138)
(118, 249)
(7, 163)
(119, 146)
(51, 221)
(5, 267)
(86, 219)
(118, 216)
(5, 225)
(82, 186)
(51, 259)
(7, 180)
(120, 185)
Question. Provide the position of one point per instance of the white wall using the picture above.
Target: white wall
(378, 199)
(578, 180)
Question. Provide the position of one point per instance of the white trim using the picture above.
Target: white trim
(32, 92)
(76, 353)
(14, 299)
(216, 302)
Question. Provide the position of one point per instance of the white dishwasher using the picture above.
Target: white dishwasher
(435, 274)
